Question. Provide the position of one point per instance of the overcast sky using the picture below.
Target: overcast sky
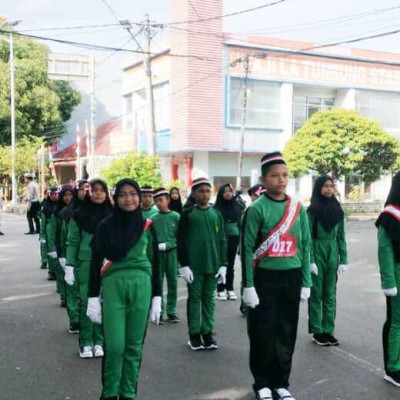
(284, 21)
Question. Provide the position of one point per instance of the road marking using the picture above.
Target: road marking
(234, 393)
(10, 299)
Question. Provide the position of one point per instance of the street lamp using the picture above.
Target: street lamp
(12, 90)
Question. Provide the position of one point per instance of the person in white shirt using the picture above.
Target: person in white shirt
(32, 196)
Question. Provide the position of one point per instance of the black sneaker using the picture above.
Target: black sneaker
(43, 266)
(63, 304)
(320, 339)
(1, 234)
(209, 342)
(393, 377)
(332, 341)
(195, 342)
(29, 233)
(73, 329)
(173, 319)
(51, 277)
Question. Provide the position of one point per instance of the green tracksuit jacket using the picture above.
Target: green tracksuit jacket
(328, 250)
(151, 212)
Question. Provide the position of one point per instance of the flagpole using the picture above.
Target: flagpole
(78, 153)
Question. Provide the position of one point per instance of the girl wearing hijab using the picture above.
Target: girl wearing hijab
(82, 227)
(72, 291)
(328, 258)
(125, 269)
(388, 225)
(231, 210)
(176, 201)
(53, 229)
(47, 209)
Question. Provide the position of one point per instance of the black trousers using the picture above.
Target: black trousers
(233, 243)
(33, 215)
(272, 327)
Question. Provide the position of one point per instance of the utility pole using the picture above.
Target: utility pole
(91, 149)
(151, 134)
(13, 144)
(42, 170)
(246, 61)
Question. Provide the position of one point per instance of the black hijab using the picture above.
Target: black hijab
(389, 222)
(190, 202)
(48, 205)
(326, 210)
(175, 205)
(60, 203)
(230, 209)
(121, 230)
(90, 214)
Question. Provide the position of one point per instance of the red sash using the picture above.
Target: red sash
(107, 263)
(277, 242)
(392, 210)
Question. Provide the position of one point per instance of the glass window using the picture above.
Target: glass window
(304, 107)
(263, 103)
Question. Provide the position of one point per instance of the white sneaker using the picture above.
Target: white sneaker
(284, 394)
(86, 352)
(232, 295)
(98, 351)
(222, 296)
(264, 394)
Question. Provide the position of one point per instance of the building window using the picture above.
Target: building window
(263, 103)
(304, 107)
(161, 107)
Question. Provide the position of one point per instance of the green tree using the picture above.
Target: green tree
(142, 168)
(42, 105)
(340, 142)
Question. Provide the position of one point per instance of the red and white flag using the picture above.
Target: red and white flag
(78, 140)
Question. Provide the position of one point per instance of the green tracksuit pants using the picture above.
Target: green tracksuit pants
(391, 330)
(90, 334)
(72, 294)
(322, 303)
(201, 303)
(169, 268)
(43, 253)
(61, 285)
(52, 266)
(126, 305)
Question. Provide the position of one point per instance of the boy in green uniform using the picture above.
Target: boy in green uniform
(148, 208)
(275, 253)
(47, 209)
(388, 225)
(202, 253)
(55, 246)
(328, 259)
(166, 225)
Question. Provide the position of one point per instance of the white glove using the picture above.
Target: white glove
(162, 246)
(342, 269)
(250, 297)
(52, 254)
(221, 275)
(63, 262)
(187, 274)
(305, 293)
(392, 292)
(69, 275)
(314, 269)
(93, 310)
(43, 241)
(156, 310)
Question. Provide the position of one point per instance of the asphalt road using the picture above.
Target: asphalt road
(39, 359)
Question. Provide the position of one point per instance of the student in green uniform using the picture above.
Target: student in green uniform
(328, 259)
(388, 225)
(82, 227)
(275, 253)
(47, 209)
(203, 257)
(166, 225)
(231, 210)
(125, 269)
(72, 291)
(176, 200)
(53, 231)
(148, 208)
